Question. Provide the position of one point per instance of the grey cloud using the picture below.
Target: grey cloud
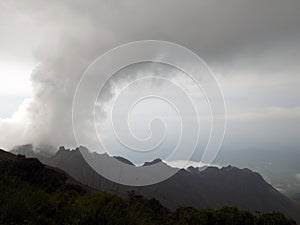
(238, 38)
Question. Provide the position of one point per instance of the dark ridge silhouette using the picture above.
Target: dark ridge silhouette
(155, 161)
(199, 188)
(123, 160)
(32, 193)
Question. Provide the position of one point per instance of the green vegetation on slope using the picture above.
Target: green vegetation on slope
(33, 194)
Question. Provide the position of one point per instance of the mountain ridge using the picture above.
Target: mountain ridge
(33, 193)
(211, 187)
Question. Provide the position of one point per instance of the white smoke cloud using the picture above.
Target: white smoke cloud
(64, 37)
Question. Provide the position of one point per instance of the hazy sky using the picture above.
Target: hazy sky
(252, 46)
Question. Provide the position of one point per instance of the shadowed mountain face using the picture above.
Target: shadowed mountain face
(32, 193)
(36, 174)
(210, 188)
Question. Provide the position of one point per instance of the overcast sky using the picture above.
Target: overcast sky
(252, 46)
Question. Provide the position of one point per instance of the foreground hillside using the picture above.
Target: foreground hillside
(211, 188)
(32, 193)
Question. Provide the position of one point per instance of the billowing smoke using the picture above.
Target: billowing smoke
(68, 46)
(253, 48)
